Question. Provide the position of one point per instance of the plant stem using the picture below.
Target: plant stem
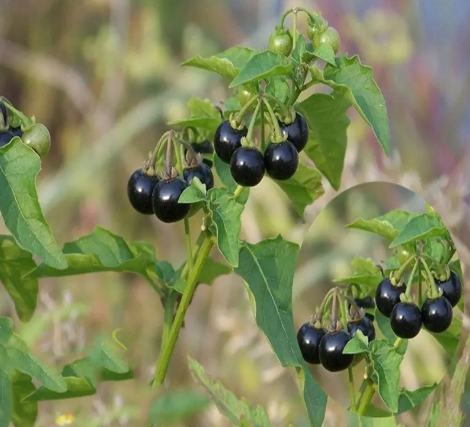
(432, 284)
(309, 85)
(195, 251)
(238, 192)
(294, 28)
(277, 130)
(26, 120)
(409, 285)
(420, 290)
(366, 398)
(251, 128)
(161, 142)
(165, 355)
(324, 303)
(403, 267)
(344, 319)
(283, 18)
(352, 394)
(242, 112)
(263, 135)
(168, 317)
(397, 343)
(187, 235)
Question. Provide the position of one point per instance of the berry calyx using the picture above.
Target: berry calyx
(331, 351)
(364, 325)
(405, 320)
(165, 198)
(38, 138)
(202, 172)
(387, 296)
(247, 166)
(281, 160)
(204, 147)
(227, 140)
(297, 132)
(309, 339)
(451, 288)
(281, 42)
(330, 37)
(366, 302)
(436, 314)
(139, 191)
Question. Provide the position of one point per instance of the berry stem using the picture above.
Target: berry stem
(397, 343)
(282, 106)
(420, 287)
(238, 192)
(191, 282)
(342, 309)
(263, 130)
(169, 153)
(402, 269)
(433, 292)
(160, 144)
(27, 122)
(168, 317)
(352, 393)
(239, 116)
(277, 130)
(334, 308)
(251, 128)
(283, 18)
(294, 27)
(409, 284)
(366, 397)
(324, 303)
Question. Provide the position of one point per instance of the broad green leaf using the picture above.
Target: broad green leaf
(298, 64)
(262, 65)
(326, 53)
(6, 399)
(382, 228)
(105, 356)
(196, 192)
(211, 270)
(177, 405)
(435, 248)
(386, 362)
(357, 84)
(303, 188)
(227, 403)
(15, 263)
(397, 218)
(418, 228)
(226, 217)
(278, 87)
(76, 387)
(358, 344)
(328, 122)
(373, 421)
(98, 252)
(375, 412)
(227, 63)
(366, 273)
(23, 414)
(19, 206)
(410, 399)
(223, 172)
(450, 338)
(268, 270)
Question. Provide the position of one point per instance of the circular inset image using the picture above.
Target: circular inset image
(378, 300)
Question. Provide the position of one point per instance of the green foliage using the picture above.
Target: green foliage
(366, 274)
(418, 228)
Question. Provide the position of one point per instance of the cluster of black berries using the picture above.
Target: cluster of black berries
(152, 194)
(325, 346)
(406, 318)
(248, 164)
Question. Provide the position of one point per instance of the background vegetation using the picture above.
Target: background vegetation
(104, 76)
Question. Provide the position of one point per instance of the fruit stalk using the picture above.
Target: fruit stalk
(432, 284)
(366, 397)
(251, 128)
(351, 389)
(277, 129)
(409, 285)
(294, 27)
(242, 112)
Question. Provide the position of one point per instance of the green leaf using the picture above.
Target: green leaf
(268, 270)
(358, 344)
(356, 82)
(303, 188)
(278, 87)
(418, 228)
(177, 405)
(328, 122)
(366, 273)
(382, 228)
(196, 192)
(211, 270)
(435, 248)
(23, 414)
(326, 53)
(298, 64)
(226, 217)
(6, 399)
(227, 63)
(262, 65)
(227, 403)
(98, 252)
(386, 362)
(19, 206)
(410, 399)
(15, 263)
(397, 218)
(223, 172)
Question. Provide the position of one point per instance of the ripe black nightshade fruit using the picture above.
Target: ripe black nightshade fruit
(227, 140)
(436, 314)
(309, 339)
(165, 200)
(281, 160)
(405, 320)
(297, 132)
(204, 147)
(139, 191)
(451, 288)
(365, 325)
(366, 302)
(331, 351)
(387, 296)
(247, 166)
(203, 172)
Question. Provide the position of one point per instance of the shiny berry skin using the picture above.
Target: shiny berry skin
(365, 325)
(5, 138)
(436, 314)
(227, 140)
(330, 37)
(247, 166)
(405, 320)
(297, 132)
(281, 42)
(366, 302)
(139, 191)
(38, 138)
(281, 160)
(165, 198)
(387, 296)
(203, 172)
(331, 351)
(309, 339)
(451, 288)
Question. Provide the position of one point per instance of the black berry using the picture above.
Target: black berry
(387, 296)
(16, 131)
(297, 132)
(247, 166)
(227, 140)
(281, 160)
(331, 351)
(165, 200)
(203, 172)
(451, 288)
(365, 325)
(405, 320)
(139, 191)
(309, 339)
(366, 302)
(436, 314)
(204, 147)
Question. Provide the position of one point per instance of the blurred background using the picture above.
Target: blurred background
(104, 76)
